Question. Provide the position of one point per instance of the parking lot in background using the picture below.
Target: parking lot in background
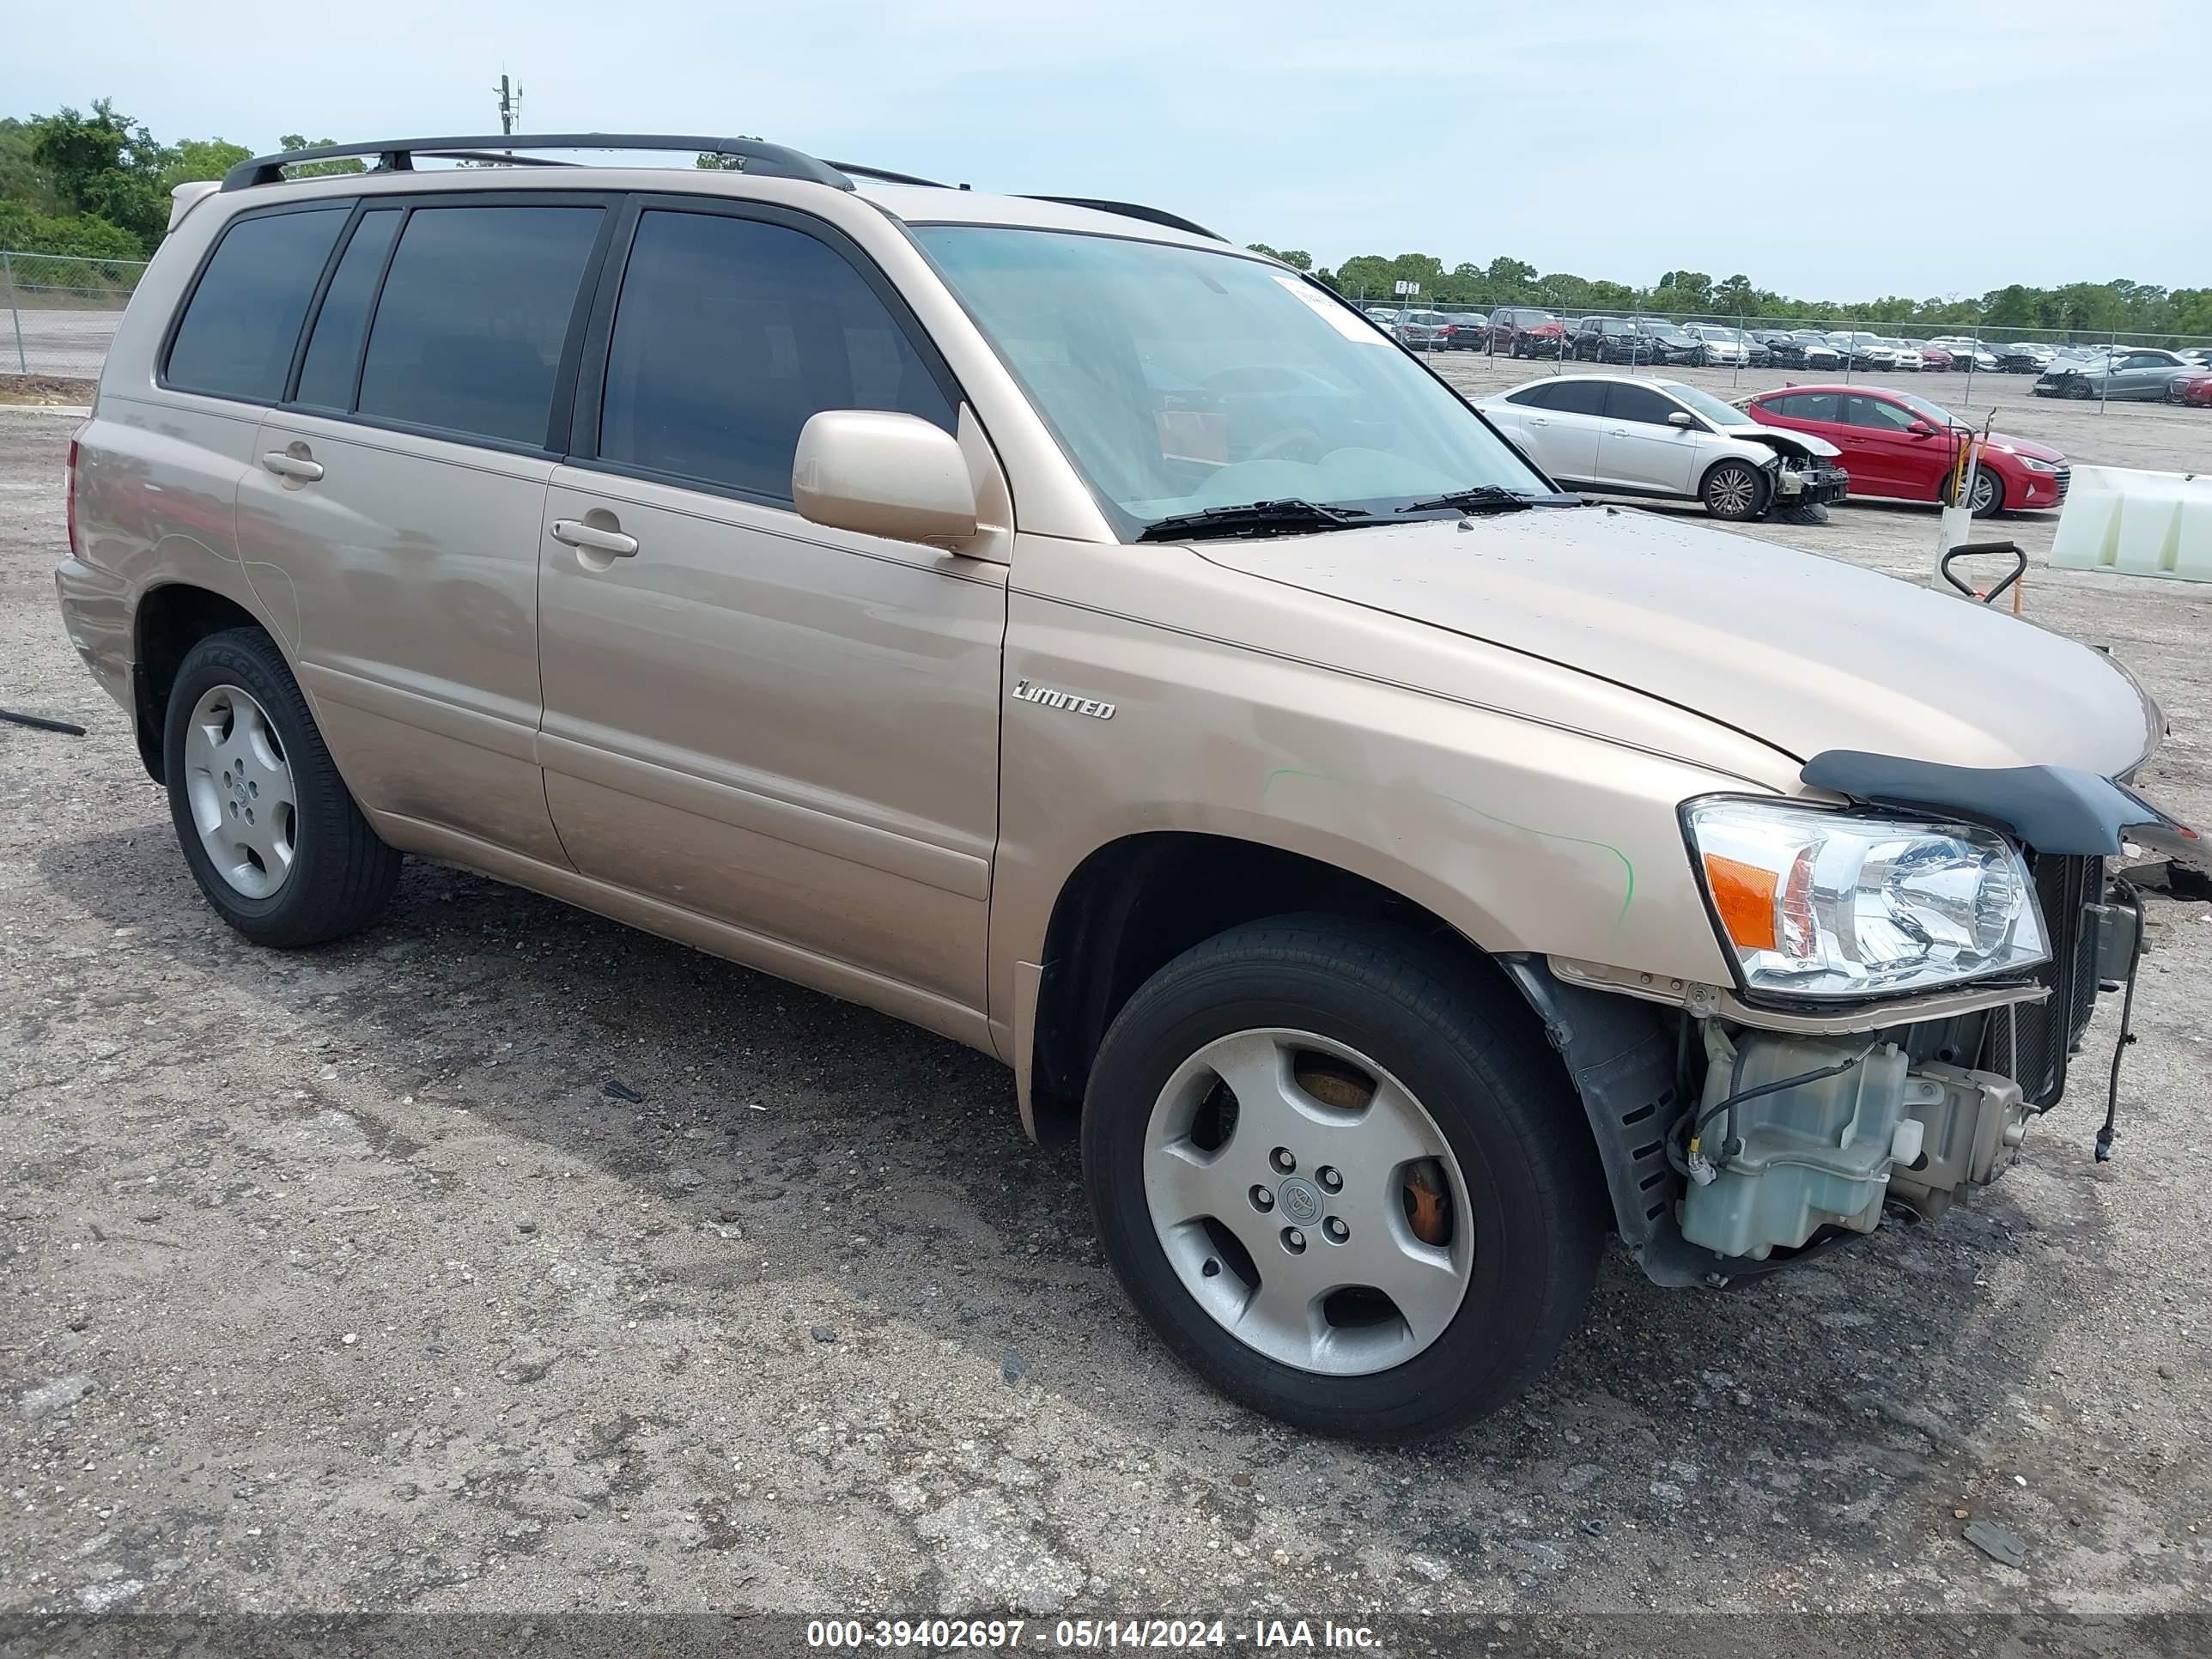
(2155, 436)
(505, 1258)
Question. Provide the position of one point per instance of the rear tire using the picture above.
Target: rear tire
(1237, 1229)
(309, 869)
(1734, 491)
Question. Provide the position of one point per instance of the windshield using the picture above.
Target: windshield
(1705, 403)
(1179, 379)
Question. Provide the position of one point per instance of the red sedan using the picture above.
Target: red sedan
(2191, 389)
(1900, 445)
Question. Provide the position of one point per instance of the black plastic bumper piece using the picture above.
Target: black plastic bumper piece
(2053, 809)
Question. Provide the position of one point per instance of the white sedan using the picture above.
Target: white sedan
(1619, 434)
(1723, 345)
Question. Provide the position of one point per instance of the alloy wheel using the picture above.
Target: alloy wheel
(1308, 1202)
(1731, 493)
(240, 785)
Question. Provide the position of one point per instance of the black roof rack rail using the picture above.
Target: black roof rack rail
(397, 155)
(754, 155)
(1133, 210)
(885, 176)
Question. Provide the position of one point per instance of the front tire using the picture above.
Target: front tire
(1734, 490)
(1989, 494)
(268, 827)
(1341, 1177)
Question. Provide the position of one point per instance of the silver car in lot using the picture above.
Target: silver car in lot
(1863, 349)
(1723, 346)
(2142, 373)
(1966, 350)
(1620, 434)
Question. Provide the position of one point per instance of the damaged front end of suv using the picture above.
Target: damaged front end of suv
(1915, 966)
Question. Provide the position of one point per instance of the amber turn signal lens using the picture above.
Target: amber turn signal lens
(1744, 896)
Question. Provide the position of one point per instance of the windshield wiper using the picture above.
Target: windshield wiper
(1287, 516)
(1489, 498)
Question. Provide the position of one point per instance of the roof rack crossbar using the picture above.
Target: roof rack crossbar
(397, 155)
(1134, 211)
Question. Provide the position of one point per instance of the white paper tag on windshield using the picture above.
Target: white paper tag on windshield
(1332, 314)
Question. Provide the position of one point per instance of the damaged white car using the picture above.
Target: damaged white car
(1619, 435)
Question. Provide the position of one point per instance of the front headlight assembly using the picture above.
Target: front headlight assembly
(1814, 903)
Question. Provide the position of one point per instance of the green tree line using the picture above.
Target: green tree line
(98, 184)
(2090, 310)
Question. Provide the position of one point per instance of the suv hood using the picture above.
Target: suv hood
(1803, 653)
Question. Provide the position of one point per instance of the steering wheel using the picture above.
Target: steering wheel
(1300, 444)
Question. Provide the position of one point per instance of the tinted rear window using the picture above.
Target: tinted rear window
(1570, 396)
(729, 334)
(333, 349)
(474, 312)
(236, 337)
(1805, 406)
(1639, 404)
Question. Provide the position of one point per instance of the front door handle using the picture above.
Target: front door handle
(288, 466)
(612, 543)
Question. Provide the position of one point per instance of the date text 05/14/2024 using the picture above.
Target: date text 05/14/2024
(1089, 1635)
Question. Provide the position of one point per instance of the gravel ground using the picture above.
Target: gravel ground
(506, 1260)
(58, 340)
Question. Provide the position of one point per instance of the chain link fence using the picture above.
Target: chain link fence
(2088, 364)
(59, 311)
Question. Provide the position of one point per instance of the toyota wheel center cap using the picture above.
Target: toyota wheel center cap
(1299, 1200)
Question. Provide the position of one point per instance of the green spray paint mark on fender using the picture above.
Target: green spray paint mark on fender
(1627, 869)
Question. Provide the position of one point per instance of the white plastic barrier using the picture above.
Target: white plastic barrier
(2136, 524)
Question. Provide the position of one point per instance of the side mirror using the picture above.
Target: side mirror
(1920, 429)
(1683, 418)
(883, 474)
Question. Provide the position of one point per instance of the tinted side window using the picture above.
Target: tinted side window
(1807, 406)
(476, 308)
(326, 380)
(243, 319)
(1637, 403)
(1578, 396)
(1878, 414)
(729, 334)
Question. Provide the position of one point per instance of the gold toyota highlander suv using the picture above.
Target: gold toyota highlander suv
(1045, 623)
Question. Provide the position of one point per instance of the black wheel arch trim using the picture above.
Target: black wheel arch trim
(1619, 1054)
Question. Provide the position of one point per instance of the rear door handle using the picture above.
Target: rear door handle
(1538, 420)
(291, 467)
(612, 543)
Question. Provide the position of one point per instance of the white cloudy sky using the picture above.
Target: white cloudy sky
(1824, 149)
